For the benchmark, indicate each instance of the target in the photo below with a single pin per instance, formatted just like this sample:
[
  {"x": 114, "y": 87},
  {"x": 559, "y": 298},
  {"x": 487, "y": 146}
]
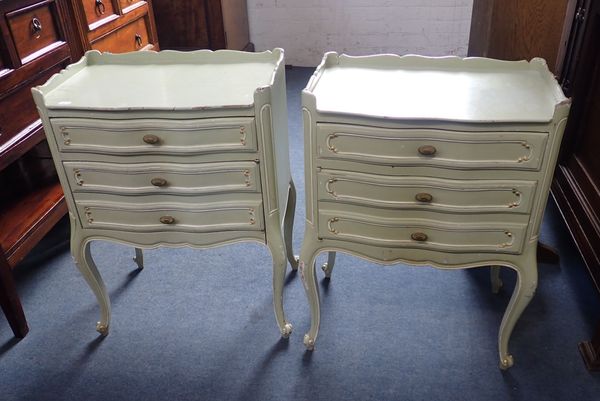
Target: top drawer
[
  {"x": 432, "y": 147},
  {"x": 153, "y": 136},
  {"x": 34, "y": 30}
]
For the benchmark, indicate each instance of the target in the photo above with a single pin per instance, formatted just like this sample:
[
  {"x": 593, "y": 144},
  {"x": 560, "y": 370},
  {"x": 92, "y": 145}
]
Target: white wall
[{"x": 308, "y": 28}]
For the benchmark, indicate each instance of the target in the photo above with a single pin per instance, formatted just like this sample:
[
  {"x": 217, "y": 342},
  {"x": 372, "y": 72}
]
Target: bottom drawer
[
  {"x": 154, "y": 217},
  {"x": 422, "y": 233}
]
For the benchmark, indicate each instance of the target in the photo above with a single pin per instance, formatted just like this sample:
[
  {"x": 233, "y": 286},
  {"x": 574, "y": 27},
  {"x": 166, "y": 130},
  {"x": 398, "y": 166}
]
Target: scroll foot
[
  {"x": 309, "y": 342},
  {"x": 102, "y": 329},
  {"x": 506, "y": 362},
  {"x": 286, "y": 330}
]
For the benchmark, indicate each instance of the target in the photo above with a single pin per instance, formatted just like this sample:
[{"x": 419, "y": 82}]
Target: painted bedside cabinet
[
  {"x": 173, "y": 149},
  {"x": 444, "y": 162}
]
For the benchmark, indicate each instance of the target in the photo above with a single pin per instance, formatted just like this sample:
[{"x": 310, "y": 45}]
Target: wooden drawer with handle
[
  {"x": 34, "y": 30},
  {"x": 99, "y": 12},
  {"x": 20, "y": 102},
  {"x": 131, "y": 37}
]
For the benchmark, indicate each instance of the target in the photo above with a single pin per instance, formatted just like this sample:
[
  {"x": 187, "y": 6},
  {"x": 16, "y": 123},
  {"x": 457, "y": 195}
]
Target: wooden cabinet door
[
  {"x": 520, "y": 29},
  {"x": 202, "y": 24},
  {"x": 183, "y": 24},
  {"x": 577, "y": 181}
]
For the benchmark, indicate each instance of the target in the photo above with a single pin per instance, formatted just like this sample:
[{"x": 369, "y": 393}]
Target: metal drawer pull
[
  {"x": 427, "y": 150},
  {"x": 421, "y": 237},
  {"x": 423, "y": 197},
  {"x": 138, "y": 40},
  {"x": 100, "y": 8},
  {"x": 158, "y": 182},
  {"x": 167, "y": 219},
  {"x": 36, "y": 27},
  {"x": 151, "y": 139}
]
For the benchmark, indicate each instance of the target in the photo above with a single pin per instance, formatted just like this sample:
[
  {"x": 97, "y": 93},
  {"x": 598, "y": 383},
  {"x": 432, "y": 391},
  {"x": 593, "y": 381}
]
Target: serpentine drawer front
[
  {"x": 172, "y": 149},
  {"x": 431, "y": 234},
  {"x": 445, "y": 162},
  {"x": 155, "y": 136},
  {"x": 165, "y": 217},
  {"x": 443, "y": 148},
  {"x": 163, "y": 178},
  {"x": 461, "y": 196}
]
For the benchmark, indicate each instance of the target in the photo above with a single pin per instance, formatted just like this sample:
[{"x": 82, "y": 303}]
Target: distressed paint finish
[
  {"x": 442, "y": 161},
  {"x": 173, "y": 149}
]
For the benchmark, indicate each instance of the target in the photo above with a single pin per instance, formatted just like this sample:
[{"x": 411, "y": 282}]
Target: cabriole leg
[
  {"x": 309, "y": 279},
  {"x": 277, "y": 248},
  {"x": 524, "y": 290},
  {"x": 139, "y": 258},
  {"x": 80, "y": 249},
  {"x": 328, "y": 266},
  {"x": 288, "y": 226}
]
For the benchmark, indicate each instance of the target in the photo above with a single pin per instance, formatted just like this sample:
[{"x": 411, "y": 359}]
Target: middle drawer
[
  {"x": 426, "y": 193},
  {"x": 163, "y": 178}
]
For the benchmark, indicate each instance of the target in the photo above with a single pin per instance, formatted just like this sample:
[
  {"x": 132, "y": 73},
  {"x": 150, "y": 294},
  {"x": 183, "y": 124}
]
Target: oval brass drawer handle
[
  {"x": 421, "y": 237},
  {"x": 423, "y": 197},
  {"x": 151, "y": 139},
  {"x": 158, "y": 182},
  {"x": 427, "y": 150},
  {"x": 167, "y": 219}
]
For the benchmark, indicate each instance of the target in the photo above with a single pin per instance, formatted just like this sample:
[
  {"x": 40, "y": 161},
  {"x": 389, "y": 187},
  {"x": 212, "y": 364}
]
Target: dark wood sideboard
[
  {"x": 38, "y": 39},
  {"x": 34, "y": 45},
  {"x": 203, "y": 24}
]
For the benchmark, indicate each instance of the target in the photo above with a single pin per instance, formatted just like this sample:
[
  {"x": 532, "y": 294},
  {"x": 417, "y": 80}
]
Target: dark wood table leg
[
  {"x": 547, "y": 254},
  {"x": 590, "y": 351},
  {"x": 9, "y": 300}
]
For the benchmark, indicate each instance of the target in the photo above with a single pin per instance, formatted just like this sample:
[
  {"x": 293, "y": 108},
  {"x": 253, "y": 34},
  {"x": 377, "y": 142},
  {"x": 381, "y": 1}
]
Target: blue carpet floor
[{"x": 199, "y": 325}]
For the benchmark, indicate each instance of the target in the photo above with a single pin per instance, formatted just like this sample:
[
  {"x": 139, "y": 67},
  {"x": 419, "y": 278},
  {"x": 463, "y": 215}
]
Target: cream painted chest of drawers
[
  {"x": 444, "y": 162},
  {"x": 173, "y": 149}
]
